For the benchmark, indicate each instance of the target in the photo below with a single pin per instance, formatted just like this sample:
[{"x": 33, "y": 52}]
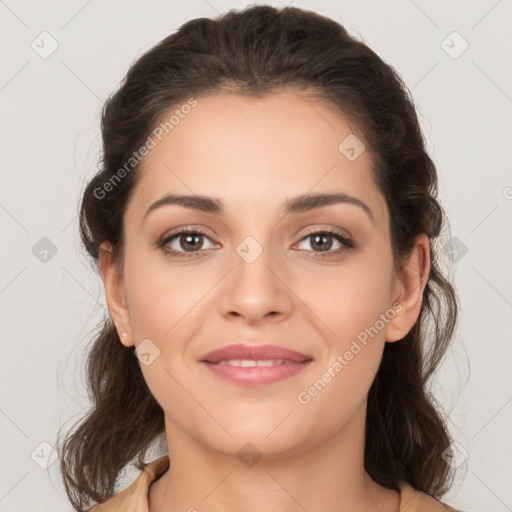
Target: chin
[{"x": 267, "y": 436}]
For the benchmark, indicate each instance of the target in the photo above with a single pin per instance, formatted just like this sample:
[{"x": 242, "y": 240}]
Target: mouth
[{"x": 255, "y": 365}]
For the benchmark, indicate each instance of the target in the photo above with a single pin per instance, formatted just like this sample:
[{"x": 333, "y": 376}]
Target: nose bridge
[
  {"x": 254, "y": 250},
  {"x": 251, "y": 263},
  {"x": 253, "y": 290}
]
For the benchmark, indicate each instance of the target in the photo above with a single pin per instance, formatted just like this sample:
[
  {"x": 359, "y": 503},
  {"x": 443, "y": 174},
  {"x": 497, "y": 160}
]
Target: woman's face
[{"x": 257, "y": 274}]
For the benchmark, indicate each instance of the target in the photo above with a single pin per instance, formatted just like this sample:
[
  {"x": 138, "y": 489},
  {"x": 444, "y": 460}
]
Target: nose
[{"x": 256, "y": 288}]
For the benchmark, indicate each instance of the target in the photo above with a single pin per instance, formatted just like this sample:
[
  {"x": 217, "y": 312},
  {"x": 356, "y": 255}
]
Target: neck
[{"x": 326, "y": 477}]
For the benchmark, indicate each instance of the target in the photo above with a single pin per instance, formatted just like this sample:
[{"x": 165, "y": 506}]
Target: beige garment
[{"x": 135, "y": 497}]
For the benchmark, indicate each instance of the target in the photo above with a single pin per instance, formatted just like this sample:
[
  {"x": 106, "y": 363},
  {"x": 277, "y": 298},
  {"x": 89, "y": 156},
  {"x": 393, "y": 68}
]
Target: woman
[{"x": 264, "y": 222}]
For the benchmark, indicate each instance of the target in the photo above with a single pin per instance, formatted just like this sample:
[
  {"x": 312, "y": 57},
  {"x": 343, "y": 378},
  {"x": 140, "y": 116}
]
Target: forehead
[{"x": 248, "y": 150}]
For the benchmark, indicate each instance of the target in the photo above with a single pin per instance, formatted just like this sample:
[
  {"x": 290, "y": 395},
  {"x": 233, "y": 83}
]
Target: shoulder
[
  {"x": 412, "y": 500},
  {"x": 135, "y": 496}
]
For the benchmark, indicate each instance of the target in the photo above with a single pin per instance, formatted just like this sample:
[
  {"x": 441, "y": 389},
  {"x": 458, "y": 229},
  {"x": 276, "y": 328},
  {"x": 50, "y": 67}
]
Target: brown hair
[{"x": 256, "y": 51}]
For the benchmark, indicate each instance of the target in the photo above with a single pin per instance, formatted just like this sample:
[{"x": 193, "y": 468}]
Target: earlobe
[
  {"x": 413, "y": 277},
  {"x": 114, "y": 294}
]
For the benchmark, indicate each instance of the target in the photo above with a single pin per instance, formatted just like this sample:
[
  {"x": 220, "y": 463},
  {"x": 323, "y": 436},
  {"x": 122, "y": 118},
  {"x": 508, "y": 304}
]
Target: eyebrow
[{"x": 296, "y": 204}]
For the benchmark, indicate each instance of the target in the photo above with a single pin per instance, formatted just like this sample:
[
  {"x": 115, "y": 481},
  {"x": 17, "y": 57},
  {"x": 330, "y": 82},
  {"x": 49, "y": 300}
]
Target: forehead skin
[{"x": 254, "y": 154}]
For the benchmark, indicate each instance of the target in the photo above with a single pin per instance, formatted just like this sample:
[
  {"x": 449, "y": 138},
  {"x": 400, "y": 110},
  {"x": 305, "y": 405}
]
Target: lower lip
[{"x": 255, "y": 376}]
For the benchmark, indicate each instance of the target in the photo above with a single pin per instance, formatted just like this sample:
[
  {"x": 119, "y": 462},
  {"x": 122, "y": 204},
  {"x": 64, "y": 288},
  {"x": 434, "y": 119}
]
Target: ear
[
  {"x": 114, "y": 293},
  {"x": 412, "y": 277}
]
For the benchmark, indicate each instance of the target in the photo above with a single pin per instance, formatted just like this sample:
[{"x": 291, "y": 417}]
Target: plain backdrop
[{"x": 60, "y": 61}]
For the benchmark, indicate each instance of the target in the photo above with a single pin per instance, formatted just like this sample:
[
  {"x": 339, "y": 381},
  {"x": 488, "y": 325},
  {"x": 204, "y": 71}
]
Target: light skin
[{"x": 253, "y": 155}]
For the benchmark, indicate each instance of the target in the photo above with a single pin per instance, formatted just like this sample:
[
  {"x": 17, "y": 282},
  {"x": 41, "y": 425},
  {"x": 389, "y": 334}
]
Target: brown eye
[
  {"x": 323, "y": 241},
  {"x": 185, "y": 243},
  {"x": 191, "y": 241}
]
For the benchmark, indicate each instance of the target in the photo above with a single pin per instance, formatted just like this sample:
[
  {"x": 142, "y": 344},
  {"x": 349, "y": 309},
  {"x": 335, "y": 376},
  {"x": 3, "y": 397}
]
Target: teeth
[{"x": 252, "y": 362}]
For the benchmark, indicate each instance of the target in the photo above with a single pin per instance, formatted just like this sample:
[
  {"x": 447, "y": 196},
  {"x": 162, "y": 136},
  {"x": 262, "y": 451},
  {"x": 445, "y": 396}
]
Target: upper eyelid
[{"x": 180, "y": 231}]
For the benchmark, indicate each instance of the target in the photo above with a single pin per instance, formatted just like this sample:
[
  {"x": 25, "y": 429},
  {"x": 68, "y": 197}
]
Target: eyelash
[{"x": 346, "y": 242}]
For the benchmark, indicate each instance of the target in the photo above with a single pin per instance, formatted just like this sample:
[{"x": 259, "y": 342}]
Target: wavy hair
[{"x": 254, "y": 52}]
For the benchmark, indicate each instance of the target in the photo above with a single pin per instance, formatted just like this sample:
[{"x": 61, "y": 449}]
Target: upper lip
[{"x": 254, "y": 352}]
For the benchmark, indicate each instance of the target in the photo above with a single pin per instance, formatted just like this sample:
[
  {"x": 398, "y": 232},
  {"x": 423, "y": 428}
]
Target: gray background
[{"x": 50, "y": 298}]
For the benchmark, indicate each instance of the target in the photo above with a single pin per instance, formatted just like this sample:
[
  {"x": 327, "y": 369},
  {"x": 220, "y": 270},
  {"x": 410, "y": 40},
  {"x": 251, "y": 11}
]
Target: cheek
[
  {"x": 161, "y": 303},
  {"x": 350, "y": 299},
  {"x": 353, "y": 346},
  {"x": 354, "y": 305},
  {"x": 152, "y": 309},
  {"x": 159, "y": 295}
]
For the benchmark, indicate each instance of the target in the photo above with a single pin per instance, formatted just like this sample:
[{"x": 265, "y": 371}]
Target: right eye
[{"x": 178, "y": 243}]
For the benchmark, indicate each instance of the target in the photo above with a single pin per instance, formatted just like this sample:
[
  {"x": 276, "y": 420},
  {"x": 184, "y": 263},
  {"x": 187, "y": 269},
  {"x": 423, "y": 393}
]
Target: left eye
[{"x": 323, "y": 241}]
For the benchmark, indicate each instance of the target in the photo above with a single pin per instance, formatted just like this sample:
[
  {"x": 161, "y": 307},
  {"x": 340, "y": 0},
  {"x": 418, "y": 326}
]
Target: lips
[
  {"x": 255, "y": 365},
  {"x": 242, "y": 351}
]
